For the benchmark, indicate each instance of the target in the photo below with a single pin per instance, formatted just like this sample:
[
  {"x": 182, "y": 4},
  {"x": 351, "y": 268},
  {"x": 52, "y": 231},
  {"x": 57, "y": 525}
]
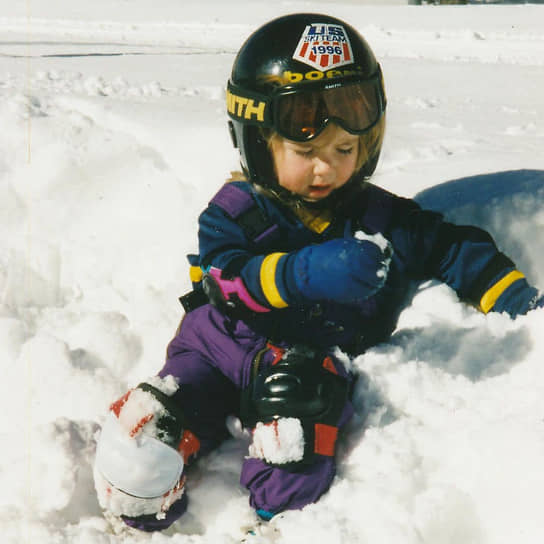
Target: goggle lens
[{"x": 302, "y": 115}]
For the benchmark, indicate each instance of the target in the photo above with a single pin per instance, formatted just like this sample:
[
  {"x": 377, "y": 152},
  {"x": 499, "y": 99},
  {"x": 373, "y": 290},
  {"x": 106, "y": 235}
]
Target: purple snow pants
[{"x": 211, "y": 357}]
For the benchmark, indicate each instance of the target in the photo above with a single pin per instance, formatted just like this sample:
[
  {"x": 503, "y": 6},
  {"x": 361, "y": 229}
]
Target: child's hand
[
  {"x": 140, "y": 455},
  {"x": 518, "y": 299},
  {"x": 149, "y": 410},
  {"x": 345, "y": 270}
]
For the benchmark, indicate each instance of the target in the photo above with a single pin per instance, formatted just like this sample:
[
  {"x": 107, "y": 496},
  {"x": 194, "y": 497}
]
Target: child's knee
[{"x": 273, "y": 490}]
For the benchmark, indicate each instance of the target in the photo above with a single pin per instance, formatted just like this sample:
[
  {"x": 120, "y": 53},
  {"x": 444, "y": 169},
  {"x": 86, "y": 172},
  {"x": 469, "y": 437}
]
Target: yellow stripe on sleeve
[
  {"x": 268, "y": 280},
  {"x": 493, "y": 293},
  {"x": 195, "y": 273}
]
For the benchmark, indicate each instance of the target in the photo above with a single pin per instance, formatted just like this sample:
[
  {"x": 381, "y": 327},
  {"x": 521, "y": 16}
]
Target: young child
[{"x": 302, "y": 263}]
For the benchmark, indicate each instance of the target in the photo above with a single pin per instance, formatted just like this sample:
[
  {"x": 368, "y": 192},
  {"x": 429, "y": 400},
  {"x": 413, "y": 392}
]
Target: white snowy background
[{"x": 113, "y": 138}]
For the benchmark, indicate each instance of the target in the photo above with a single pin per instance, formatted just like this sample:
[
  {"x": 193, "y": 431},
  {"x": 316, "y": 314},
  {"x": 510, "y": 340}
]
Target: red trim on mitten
[{"x": 116, "y": 406}]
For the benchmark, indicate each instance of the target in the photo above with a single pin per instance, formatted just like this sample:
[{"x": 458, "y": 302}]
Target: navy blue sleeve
[
  {"x": 224, "y": 247},
  {"x": 464, "y": 257}
]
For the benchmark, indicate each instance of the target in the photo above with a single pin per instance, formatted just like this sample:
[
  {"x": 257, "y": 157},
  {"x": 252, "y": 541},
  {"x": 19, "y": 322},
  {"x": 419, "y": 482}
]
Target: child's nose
[{"x": 322, "y": 166}]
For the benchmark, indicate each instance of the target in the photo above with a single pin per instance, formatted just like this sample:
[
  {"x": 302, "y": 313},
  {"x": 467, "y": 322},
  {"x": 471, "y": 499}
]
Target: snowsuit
[{"x": 248, "y": 234}]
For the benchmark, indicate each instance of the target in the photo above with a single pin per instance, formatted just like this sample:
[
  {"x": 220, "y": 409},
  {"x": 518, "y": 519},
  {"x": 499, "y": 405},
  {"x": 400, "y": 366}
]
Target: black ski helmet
[{"x": 294, "y": 54}]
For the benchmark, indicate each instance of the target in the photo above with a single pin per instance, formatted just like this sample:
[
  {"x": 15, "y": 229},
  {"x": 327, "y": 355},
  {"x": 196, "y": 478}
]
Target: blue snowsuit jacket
[{"x": 246, "y": 233}]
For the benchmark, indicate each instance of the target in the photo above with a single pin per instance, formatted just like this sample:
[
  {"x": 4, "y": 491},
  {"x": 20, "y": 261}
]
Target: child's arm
[
  {"x": 472, "y": 264},
  {"x": 467, "y": 259},
  {"x": 344, "y": 270}
]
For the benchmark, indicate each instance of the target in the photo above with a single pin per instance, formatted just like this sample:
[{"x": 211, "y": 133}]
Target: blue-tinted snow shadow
[
  {"x": 475, "y": 353},
  {"x": 480, "y": 189}
]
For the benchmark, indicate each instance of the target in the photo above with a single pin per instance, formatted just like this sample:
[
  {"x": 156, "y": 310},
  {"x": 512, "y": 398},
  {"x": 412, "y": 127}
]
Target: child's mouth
[{"x": 320, "y": 190}]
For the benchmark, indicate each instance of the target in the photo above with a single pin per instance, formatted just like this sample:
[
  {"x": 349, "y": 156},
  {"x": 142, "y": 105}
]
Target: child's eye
[
  {"x": 345, "y": 150},
  {"x": 304, "y": 152}
]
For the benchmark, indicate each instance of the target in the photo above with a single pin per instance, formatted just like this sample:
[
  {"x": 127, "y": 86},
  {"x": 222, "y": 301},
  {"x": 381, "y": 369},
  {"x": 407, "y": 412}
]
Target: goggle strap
[{"x": 248, "y": 107}]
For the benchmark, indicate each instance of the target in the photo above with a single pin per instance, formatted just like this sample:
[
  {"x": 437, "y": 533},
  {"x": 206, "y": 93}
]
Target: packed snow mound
[{"x": 114, "y": 138}]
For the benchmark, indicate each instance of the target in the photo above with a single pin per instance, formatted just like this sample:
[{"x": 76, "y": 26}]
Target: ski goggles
[{"x": 303, "y": 113}]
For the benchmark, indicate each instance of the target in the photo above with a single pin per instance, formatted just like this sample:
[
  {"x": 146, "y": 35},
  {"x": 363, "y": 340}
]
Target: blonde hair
[{"x": 370, "y": 143}]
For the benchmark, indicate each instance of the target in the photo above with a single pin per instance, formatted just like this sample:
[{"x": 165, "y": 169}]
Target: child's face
[{"x": 314, "y": 169}]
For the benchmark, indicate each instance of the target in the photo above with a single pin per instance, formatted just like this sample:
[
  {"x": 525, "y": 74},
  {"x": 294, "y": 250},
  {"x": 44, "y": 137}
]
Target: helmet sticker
[{"x": 324, "y": 46}]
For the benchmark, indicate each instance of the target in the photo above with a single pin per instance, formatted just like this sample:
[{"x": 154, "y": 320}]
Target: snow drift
[{"x": 114, "y": 139}]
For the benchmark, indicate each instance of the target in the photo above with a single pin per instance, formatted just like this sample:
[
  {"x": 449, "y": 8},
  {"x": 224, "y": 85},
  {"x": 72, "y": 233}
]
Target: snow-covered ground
[{"x": 113, "y": 137}]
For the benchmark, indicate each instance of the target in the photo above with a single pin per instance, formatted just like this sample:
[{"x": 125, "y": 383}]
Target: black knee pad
[{"x": 303, "y": 384}]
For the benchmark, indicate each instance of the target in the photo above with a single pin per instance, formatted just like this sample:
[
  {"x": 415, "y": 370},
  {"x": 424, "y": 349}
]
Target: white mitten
[
  {"x": 141, "y": 452},
  {"x": 279, "y": 442}
]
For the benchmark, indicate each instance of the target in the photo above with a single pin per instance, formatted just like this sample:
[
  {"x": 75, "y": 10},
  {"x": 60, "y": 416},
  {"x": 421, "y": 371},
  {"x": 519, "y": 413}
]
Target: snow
[
  {"x": 113, "y": 139},
  {"x": 281, "y": 441},
  {"x": 381, "y": 241}
]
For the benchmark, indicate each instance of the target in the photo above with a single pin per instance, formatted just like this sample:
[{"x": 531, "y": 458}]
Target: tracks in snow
[{"x": 37, "y": 37}]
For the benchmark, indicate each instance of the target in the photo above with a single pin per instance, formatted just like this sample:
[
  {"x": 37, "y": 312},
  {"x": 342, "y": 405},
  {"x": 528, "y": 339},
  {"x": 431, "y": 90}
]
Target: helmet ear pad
[{"x": 255, "y": 157}]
